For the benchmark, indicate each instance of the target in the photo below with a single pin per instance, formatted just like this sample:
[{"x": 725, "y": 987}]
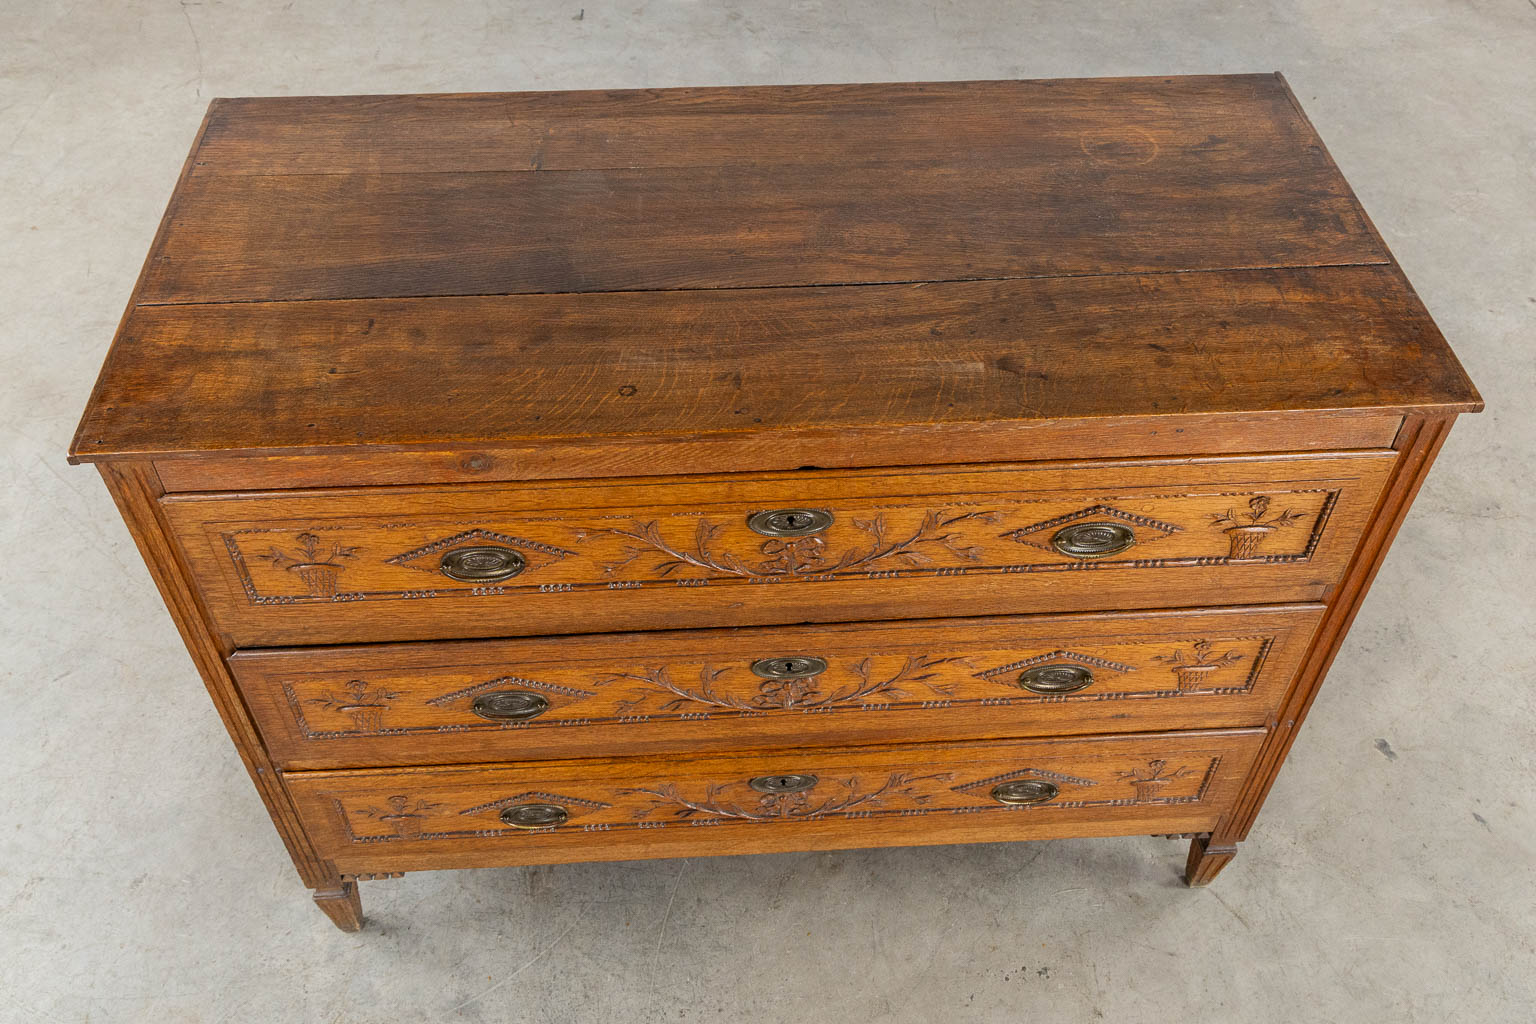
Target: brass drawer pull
[
  {"x": 510, "y": 705},
  {"x": 793, "y": 667},
  {"x": 1055, "y": 678},
  {"x": 1093, "y": 540},
  {"x": 790, "y": 522},
  {"x": 488, "y": 564},
  {"x": 1025, "y": 791},
  {"x": 782, "y": 783},
  {"x": 534, "y": 815}
]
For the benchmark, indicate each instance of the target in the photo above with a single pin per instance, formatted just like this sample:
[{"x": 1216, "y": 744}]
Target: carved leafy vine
[
  {"x": 801, "y": 693},
  {"x": 796, "y": 556},
  {"x": 771, "y": 806}
]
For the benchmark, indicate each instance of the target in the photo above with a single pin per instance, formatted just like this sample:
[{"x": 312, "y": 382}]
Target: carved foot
[
  {"x": 342, "y": 905},
  {"x": 1206, "y": 859}
]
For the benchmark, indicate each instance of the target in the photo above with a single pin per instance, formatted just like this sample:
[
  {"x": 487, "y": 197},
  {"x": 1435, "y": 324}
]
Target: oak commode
[{"x": 582, "y": 476}]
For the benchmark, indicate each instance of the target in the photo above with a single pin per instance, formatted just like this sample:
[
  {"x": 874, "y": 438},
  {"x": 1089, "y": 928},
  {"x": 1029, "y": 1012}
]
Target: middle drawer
[{"x": 731, "y": 689}]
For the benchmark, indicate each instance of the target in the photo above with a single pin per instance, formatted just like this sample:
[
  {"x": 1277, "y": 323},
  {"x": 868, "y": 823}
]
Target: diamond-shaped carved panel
[
  {"x": 429, "y": 557},
  {"x": 1147, "y": 530},
  {"x": 1052, "y": 657},
  {"x": 575, "y": 807},
  {"x": 1024, "y": 773}
]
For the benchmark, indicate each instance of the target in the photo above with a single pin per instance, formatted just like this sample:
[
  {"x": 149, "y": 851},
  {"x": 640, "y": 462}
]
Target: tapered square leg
[
  {"x": 342, "y": 905},
  {"x": 1206, "y": 859}
]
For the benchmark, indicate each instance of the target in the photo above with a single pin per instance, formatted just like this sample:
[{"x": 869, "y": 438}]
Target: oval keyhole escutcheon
[
  {"x": 790, "y": 522},
  {"x": 791, "y": 667},
  {"x": 782, "y": 783}
]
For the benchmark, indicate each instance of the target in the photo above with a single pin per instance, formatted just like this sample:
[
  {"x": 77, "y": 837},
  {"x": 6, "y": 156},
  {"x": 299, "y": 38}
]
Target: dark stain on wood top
[
  {"x": 301, "y": 199},
  {"x": 389, "y": 271}
]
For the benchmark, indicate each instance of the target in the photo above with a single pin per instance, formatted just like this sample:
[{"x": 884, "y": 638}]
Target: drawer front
[
  {"x": 424, "y": 563},
  {"x": 516, "y": 700},
  {"x": 426, "y": 818}
]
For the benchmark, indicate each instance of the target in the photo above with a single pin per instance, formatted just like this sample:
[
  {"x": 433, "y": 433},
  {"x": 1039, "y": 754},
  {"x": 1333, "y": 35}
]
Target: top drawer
[{"x": 380, "y": 564}]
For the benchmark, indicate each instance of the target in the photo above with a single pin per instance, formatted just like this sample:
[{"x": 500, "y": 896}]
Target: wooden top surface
[{"x": 385, "y": 272}]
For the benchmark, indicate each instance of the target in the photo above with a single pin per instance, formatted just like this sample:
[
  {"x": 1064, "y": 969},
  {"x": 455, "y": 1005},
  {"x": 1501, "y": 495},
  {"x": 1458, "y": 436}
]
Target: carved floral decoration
[
  {"x": 1246, "y": 531},
  {"x": 400, "y": 815},
  {"x": 1193, "y": 668},
  {"x": 312, "y": 563},
  {"x": 1150, "y": 779},
  {"x": 360, "y": 701},
  {"x": 846, "y": 797},
  {"x": 801, "y": 692},
  {"x": 797, "y": 556}
]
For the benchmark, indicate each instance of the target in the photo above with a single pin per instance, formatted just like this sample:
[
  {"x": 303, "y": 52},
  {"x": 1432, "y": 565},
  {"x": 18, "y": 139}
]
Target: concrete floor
[{"x": 1391, "y": 878}]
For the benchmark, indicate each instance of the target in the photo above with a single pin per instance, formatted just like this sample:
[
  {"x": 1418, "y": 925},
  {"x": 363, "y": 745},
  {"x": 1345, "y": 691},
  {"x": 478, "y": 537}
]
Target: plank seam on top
[{"x": 781, "y": 287}]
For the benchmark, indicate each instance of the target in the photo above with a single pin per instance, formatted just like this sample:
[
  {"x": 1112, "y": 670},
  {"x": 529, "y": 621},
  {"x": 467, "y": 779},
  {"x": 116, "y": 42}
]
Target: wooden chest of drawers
[{"x": 588, "y": 476}]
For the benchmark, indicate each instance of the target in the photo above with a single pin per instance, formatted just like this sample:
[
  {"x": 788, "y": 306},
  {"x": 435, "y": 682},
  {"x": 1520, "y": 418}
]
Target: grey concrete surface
[{"x": 1391, "y": 878}]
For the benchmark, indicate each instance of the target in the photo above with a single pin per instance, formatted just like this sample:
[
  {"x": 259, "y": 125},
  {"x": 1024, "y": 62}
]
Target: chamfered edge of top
[{"x": 916, "y": 87}]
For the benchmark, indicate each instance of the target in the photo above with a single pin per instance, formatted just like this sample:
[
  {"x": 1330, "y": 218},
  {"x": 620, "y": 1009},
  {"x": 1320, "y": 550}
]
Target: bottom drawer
[{"x": 401, "y": 819}]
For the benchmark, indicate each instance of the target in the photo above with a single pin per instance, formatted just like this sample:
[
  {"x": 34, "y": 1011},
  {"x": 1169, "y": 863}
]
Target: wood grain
[
  {"x": 1420, "y": 442},
  {"x": 405, "y": 819},
  {"x": 785, "y": 449},
  {"x": 766, "y": 364},
  {"x": 364, "y": 565},
  {"x": 960, "y": 123},
  {"x": 342, "y": 904},
  {"x": 657, "y": 693},
  {"x": 135, "y": 490},
  {"x": 1047, "y": 179},
  {"x": 601, "y": 329}
]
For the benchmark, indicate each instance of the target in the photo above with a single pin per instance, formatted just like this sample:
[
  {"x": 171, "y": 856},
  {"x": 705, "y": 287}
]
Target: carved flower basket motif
[
  {"x": 1147, "y": 789},
  {"x": 1194, "y": 677},
  {"x": 1245, "y": 540},
  {"x": 319, "y": 578},
  {"x": 407, "y": 827},
  {"x": 366, "y": 718},
  {"x": 316, "y": 567},
  {"x": 1193, "y": 668},
  {"x": 1246, "y": 530},
  {"x": 1148, "y": 781}
]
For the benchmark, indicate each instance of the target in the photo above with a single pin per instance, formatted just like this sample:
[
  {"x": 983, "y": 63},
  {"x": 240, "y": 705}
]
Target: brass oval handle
[
  {"x": 792, "y": 667},
  {"x": 1025, "y": 791},
  {"x": 1051, "y": 679},
  {"x": 510, "y": 705},
  {"x": 1093, "y": 540},
  {"x": 487, "y": 564},
  {"x": 532, "y": 816},
  {"x": 782, "y": 783},
  {"x": 790, "y": 522}
]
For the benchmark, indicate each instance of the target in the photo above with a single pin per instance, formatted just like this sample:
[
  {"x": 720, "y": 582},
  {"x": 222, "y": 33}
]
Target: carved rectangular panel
[
  {"x": 394, "y": 819},
  {"x": 738, "y": 689},
  {"x": 398, "y": 563}
]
